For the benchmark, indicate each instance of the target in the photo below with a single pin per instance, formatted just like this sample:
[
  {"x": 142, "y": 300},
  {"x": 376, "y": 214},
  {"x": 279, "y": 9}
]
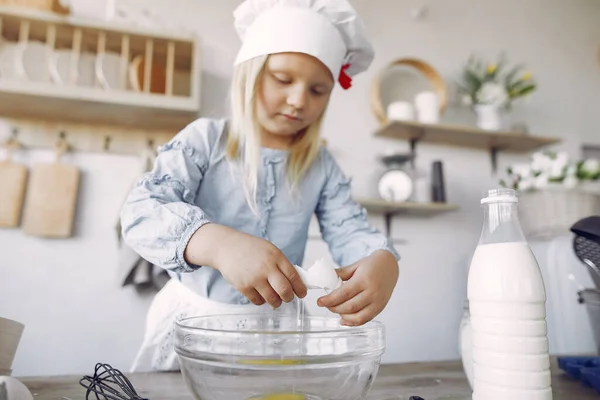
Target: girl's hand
[
  {"x": 253, "y": 266},
  {"x": 368, "y": 286}
]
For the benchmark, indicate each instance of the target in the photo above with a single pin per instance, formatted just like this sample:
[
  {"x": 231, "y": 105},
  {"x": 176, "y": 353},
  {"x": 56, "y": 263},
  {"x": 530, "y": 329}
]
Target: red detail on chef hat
[{"x": 344, "y": 79}]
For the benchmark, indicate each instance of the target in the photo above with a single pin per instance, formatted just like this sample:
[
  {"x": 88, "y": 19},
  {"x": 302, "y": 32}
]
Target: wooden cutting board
[
  {"x": 13, "y": 179},
  {"x": 51, "y": 200}
]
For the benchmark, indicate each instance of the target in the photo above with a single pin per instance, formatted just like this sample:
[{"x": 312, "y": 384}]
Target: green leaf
[
  {"x": 499, "y": 67},
  {"x": 526, "y": 90},
  {"x": 510, "y": 76},
  {"x": 521, "y": 91},
  {"x": 472, "y": 78},
  {"x": 518, "y": 85},
  {"x": 580, "y": 174}
]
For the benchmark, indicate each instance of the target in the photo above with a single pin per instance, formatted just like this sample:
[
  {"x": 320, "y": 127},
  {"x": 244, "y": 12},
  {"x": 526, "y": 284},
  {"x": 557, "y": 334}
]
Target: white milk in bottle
[{"x": 507, "y": 302}]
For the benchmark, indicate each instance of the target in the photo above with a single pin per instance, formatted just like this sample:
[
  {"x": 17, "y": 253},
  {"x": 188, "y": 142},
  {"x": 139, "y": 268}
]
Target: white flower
[
  {"x": 570, "y": 182},
  {"x": 522, "y": 170},
  {"x": 541, "y": 162},
  {"x": 557, "y": 170},
  {"x": 591, "y": 166},
  {"x": 540, "y": 181},
  {"x": 525, "y": 184},
  {"x": 559, "y": 165},
  {"x": 547, "y": 169},
  {"x": 562, "y": 158},
  {"x": 491, "y": 93},
  {"x": 571, "y": 171}
]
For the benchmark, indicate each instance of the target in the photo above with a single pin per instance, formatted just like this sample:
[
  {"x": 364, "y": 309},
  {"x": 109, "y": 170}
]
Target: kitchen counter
[{"x": 431, "y": 381}]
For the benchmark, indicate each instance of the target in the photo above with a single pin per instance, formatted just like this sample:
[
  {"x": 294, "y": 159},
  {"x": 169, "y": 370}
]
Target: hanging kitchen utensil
[
  {"x": 13, "y": 179},
  {"x": 51, "y": 197},
  {"x": 109, "y": 383},
  {"x": 587, "y": 245},
  {"x": 11, "y": 333}
]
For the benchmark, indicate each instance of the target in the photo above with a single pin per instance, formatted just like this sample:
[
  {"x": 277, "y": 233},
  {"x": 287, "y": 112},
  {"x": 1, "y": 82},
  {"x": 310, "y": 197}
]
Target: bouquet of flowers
[
  {"x": 488, "y": 83},
  {"x": 546, "y": 169}
]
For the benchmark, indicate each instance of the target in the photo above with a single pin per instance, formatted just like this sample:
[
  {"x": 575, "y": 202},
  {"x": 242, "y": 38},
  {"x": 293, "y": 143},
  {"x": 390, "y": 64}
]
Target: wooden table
[{"x": 432, "y": 381}]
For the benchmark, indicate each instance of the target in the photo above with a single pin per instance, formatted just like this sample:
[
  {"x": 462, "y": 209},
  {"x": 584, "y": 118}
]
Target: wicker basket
[
  {"x": 553, "y": 211},
  {"x": 437, "y": 82}
]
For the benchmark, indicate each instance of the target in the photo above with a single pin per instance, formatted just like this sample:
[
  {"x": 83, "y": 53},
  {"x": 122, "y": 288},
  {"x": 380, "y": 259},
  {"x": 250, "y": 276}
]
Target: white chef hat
[{"x": 329, "y": 30}]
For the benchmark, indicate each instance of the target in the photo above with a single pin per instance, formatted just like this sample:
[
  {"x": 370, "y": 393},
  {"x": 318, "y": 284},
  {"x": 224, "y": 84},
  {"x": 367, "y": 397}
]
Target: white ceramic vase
[{"x": 489, "y": 117}]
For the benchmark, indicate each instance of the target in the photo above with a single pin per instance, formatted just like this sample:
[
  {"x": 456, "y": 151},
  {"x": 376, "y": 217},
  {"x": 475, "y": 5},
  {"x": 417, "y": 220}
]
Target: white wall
[{"x": 66, "y": 291}]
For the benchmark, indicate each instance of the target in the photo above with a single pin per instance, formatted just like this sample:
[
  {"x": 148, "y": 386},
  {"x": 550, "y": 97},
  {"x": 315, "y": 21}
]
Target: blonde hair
[{"x": 244, "y": 133}]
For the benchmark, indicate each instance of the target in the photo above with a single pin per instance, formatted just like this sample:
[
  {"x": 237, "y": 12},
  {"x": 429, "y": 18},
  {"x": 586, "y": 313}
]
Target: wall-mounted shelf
[
  {"x": 464, "y": 136},
  {"x": 88, "y": 105},
  {"x": 389, "y": 209},
  {"x": 60, "y": 68}
]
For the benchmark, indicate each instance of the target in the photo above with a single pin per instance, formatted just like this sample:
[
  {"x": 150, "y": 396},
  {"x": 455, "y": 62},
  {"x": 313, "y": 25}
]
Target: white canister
[
  {"x": 428, "y": 107},
  {"x": 400, "y": 111}
]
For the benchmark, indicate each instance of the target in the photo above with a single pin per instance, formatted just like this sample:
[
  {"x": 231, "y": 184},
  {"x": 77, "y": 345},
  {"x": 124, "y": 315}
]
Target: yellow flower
[
  {"x": 526, "y": 76},
  {"x": 491, "y": 68}
]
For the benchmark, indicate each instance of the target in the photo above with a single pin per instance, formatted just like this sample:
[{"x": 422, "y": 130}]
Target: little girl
[{"x": 227, "y": 206}]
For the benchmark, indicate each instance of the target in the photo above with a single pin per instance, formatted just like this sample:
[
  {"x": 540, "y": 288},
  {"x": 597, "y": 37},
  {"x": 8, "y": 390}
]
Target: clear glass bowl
[{"x": 277, "y": 357}]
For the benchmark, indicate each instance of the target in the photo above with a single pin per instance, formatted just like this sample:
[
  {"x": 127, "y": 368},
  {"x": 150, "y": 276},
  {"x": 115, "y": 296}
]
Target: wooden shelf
[
  {"x": 386, "y": 207},
  {"x": 138, "y": 77},
  {"x": 389, "y": 209},
  {"x": 39, "y": 100},
  {"x": 95, "y": 24},
  {"x": 464, "y": 136}
]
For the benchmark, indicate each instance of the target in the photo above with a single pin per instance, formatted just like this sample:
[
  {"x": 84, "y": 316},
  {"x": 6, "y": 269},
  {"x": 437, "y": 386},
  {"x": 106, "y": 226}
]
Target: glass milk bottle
[
  {"x": 507, "y": 302},
  {"x": 465, "y": 344}
]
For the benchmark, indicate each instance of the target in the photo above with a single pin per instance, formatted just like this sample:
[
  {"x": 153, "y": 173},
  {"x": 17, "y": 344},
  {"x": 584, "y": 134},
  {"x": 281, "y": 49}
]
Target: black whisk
[{"x": 109, "y": 384}]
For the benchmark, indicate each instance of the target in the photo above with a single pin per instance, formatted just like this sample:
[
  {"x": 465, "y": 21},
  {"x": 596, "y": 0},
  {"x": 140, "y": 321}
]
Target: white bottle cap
[{"x": 500, "y": 196}]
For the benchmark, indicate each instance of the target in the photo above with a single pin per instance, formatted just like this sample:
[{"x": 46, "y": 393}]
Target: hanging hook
[
  {"x": 107, "y": 143},
  {"x": 61, "y": 146},
  {"x": 151, "y": 147},
  {"x": 12, "y": 139},
  {"x": 11, "y": 144},
  {"x": 62, "y": 139},
  {"x": 13, "y": 135}
]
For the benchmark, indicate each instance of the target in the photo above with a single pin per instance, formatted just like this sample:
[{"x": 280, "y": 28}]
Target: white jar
[
  {"x": 400, "y": 111},
  {"x": 428, "y": 107}
]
